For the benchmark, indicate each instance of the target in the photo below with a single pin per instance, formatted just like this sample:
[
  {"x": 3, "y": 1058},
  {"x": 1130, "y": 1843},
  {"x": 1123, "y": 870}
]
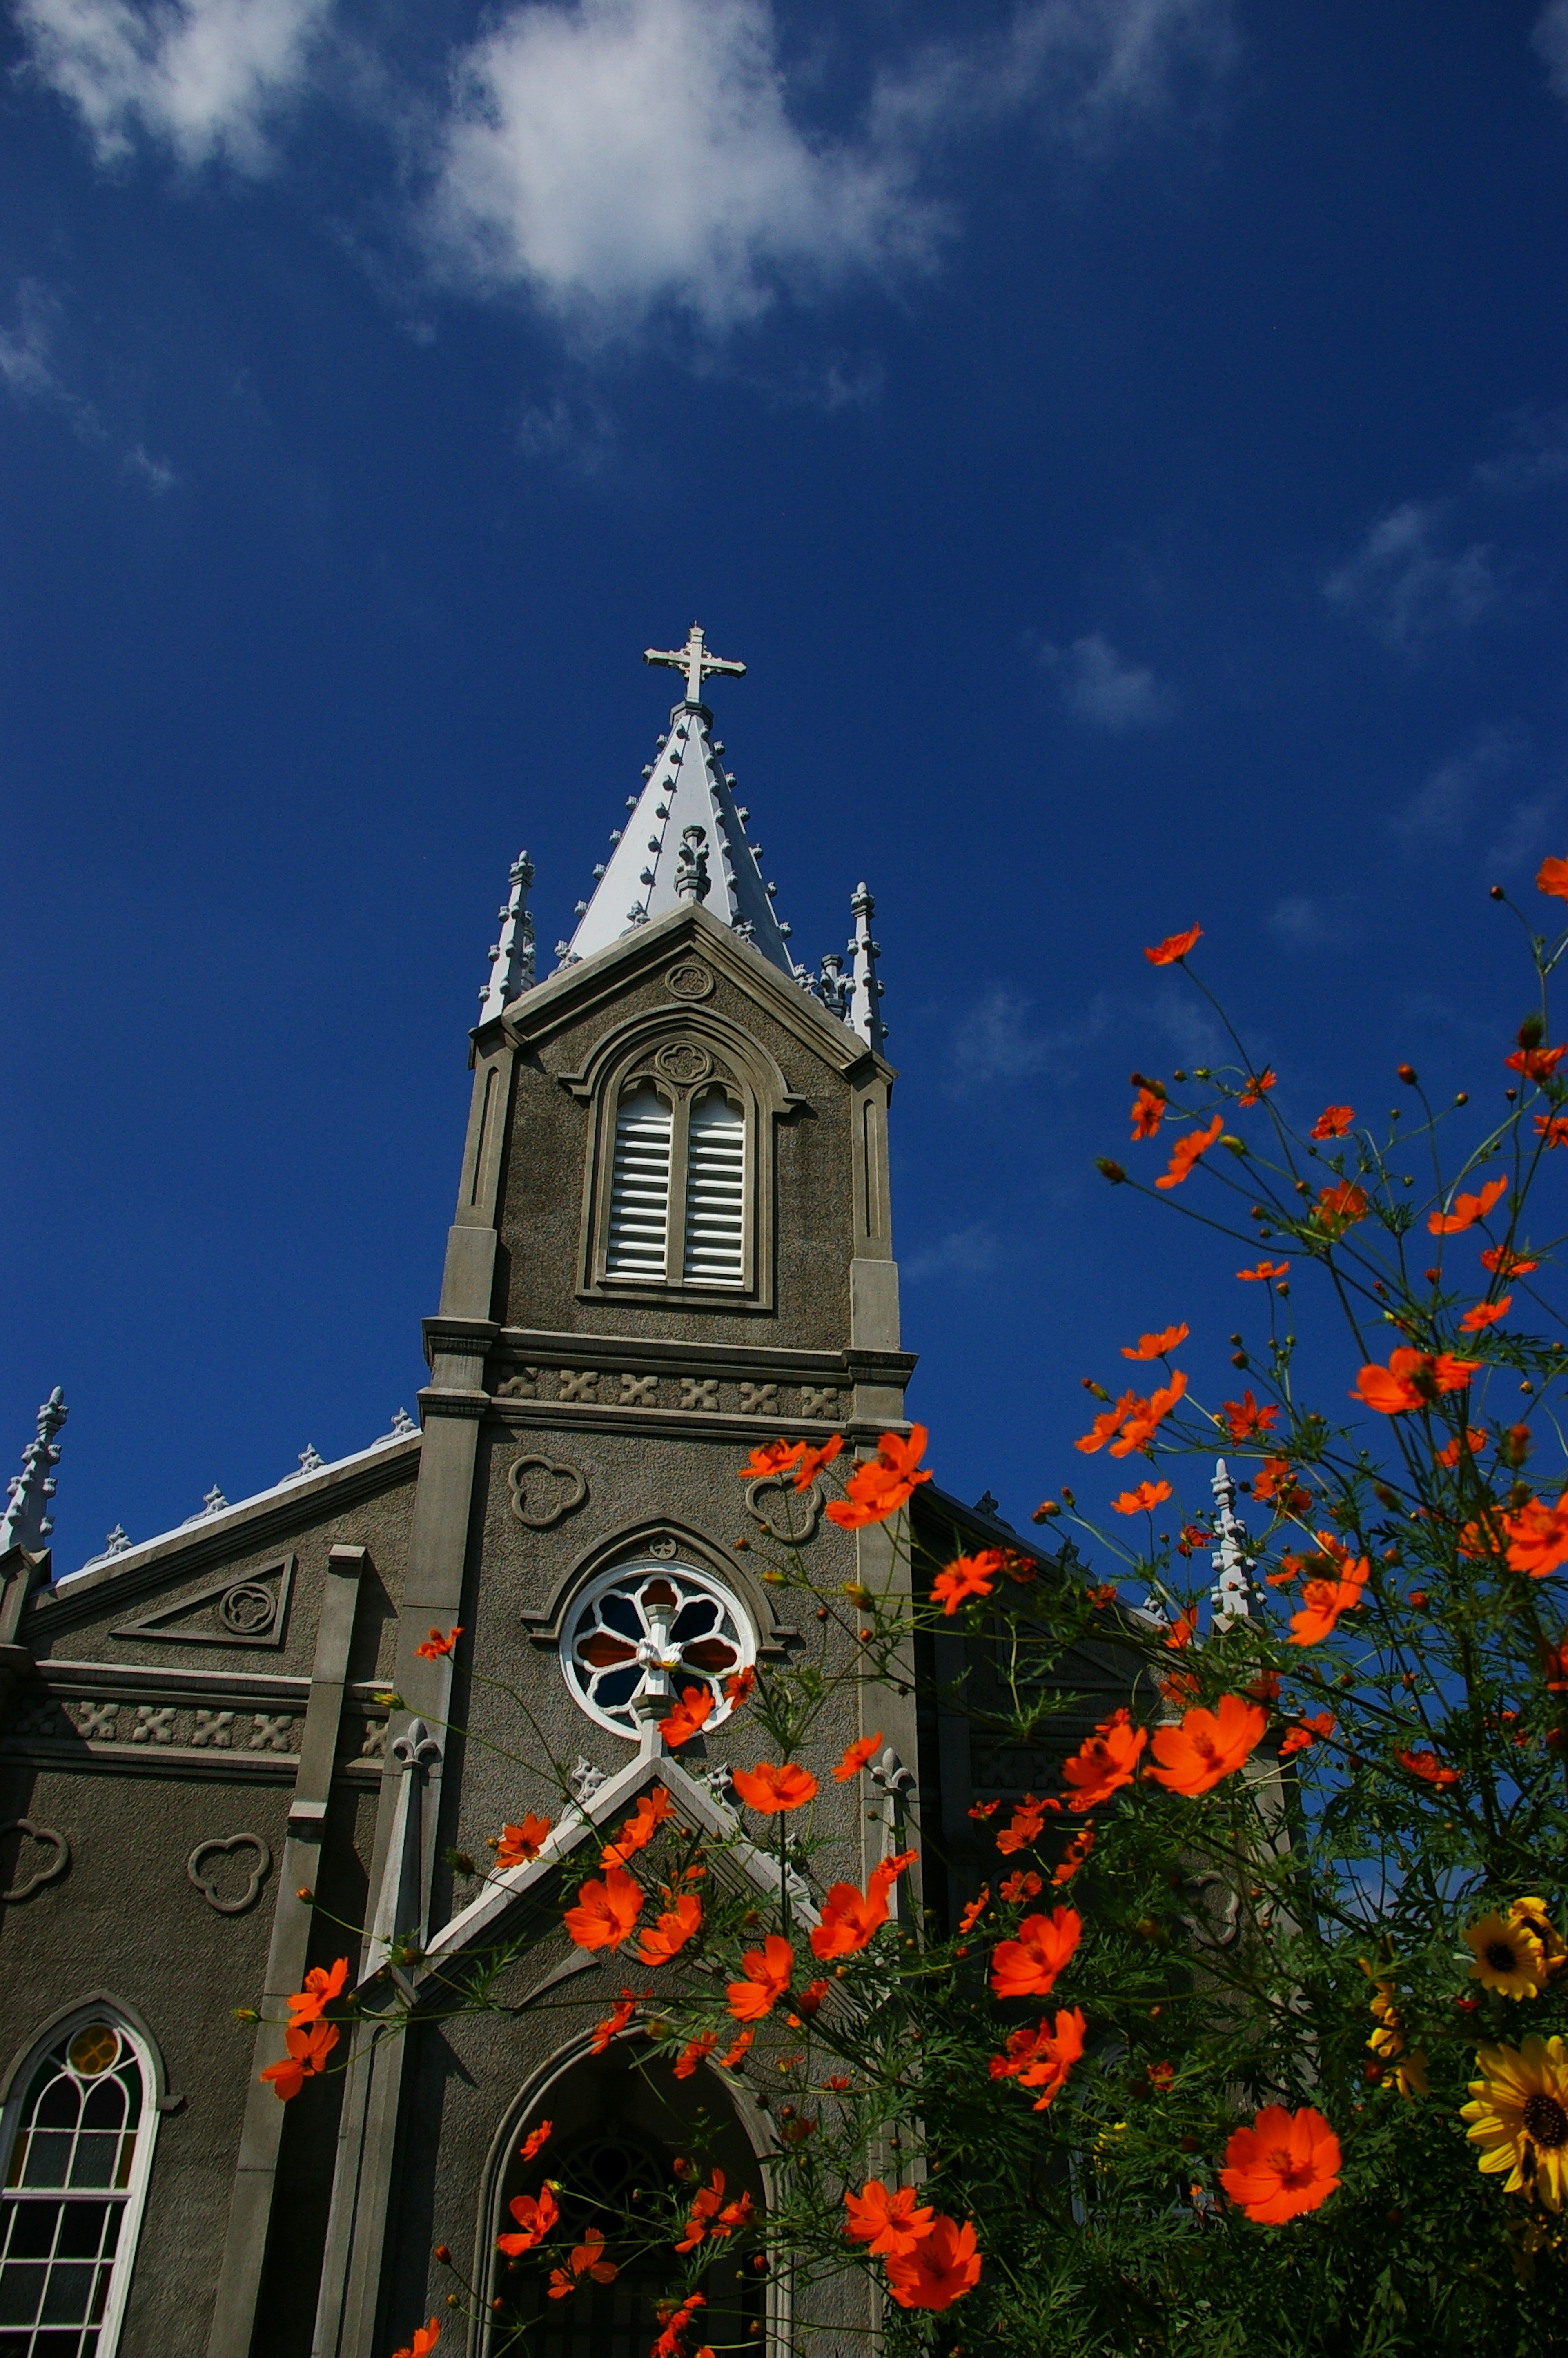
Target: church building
[{"x": 225, "y": 1759}]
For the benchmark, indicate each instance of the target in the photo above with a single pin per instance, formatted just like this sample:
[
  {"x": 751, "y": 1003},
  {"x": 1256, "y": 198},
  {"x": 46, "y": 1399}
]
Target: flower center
[
  {"x": 1546, "y": 2122},
  {"x": 1502, "y": 1958}
]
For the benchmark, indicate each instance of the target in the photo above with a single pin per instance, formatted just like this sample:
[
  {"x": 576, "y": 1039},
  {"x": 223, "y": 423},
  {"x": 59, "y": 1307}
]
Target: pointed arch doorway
[{"x": 621, "y": 2122}]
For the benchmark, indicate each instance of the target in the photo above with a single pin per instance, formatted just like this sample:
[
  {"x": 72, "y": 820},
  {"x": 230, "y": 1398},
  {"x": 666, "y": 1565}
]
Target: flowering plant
[{"x": 1237, "y": 2018}]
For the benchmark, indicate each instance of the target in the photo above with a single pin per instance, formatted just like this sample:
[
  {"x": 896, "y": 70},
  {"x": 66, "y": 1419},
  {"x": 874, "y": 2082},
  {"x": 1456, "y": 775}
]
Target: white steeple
[
  {"x": 25, "y": 1522},
  {"x": 686, "y": 840},
  {"x": 511, "y": 953},
  {"x": 864, "y": 1012},
  {"x": 1232, "y": 1591}
]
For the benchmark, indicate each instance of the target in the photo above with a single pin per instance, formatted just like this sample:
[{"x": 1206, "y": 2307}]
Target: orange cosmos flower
[
  {"x": 1323, "y": 1602},
  {"x": 320, "y": 1989},
  {"x": 1465, "y": 1210},
  {"x": 735, "y": 2052},
  {"x": 772, "y": 1457},
  {"x": 1042, "y": 2058},
  {"x": 1551, "y": 1128},
  {"x": 1107, "y": 1760},
  {"x": 1143, "y": 1500},
  {"x": 977, "y": 1909},
  {"x": 1247, "y": 1419},
  {"x": 516, "y": 1845},
  {"x": 1506, "y": 1263},
  {"x": 966, "y": 1576},
  {"x": 605, "y": 1912},
  {"x": 1028, "y": 1967},
  {"x": 536, "y": 2215},
  {"x": 639, "y": 1829},
  {"x": 1023, "y": 1883},
  {"x": 425, "y": 2340},
  {"x": 1147, "y": 1416},
  {"x": 712, "y": 2215},
  {"x": 1186, "y": 1152},
  {"x": 738, "y": 1685},
  {"x": 773, "y": 1789},
  {"x": 1154, "y": 1346},
  {"x": 1485, "y": 1314},
  {"x": 434, "y": 1645},
  {"x": 1427, "y": 1766},
  {"x": 1474, "y": 1439},
  {"x": 1110, "y": 1420},
  {"x": 675, "y": 2321},
  {"x": 1554, "y": 878},
  {"x": 1208, "y": 1746},
  {"x": 852, "y": 1918},
  {"x": 1264, "y": 1271},
  {"x": 812, "y": 1461},
  {"x": 692, "y": 1713},
  {"x": 1285, "y": 2164},
  {"x": 886, "y": 2221},
  {"x": 307, "y": 2052},
  {"x": 673, "y": 1929},
  {"x": 856, "y": 1757},
  {"x": 1174, "y": 947},
  {"x": 1257, "y": 1083},
  {"x": 1148, "y": 1112},
  {"x": 942, "y": 2267},
  {"x": 1412, "y": 1379},
  {"x": 880, "y": 1488},
  {"x": 616, "y": 2020},
  {"x": 1332, "y": 1121},
  {"x": 1307, "y": 1730},
  {"x": 1339, "y": 1207},
  {"x": 767, "y": 1970},
  {"x": 587, "y": 2260},
  {"x": 695, "y": 2053},
  {"x": 1028, "y": 1817},
  {"x": 1071, "y": 1858},
  {"x": 535, "y": 2140},
  {"x": 1538, "y": 1537},
  {"x": 1536, "y": 1063}
]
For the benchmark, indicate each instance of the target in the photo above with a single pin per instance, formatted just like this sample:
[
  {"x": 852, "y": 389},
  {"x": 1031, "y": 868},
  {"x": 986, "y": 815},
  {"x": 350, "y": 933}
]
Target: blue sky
[{"x": 1127, "y": 440}]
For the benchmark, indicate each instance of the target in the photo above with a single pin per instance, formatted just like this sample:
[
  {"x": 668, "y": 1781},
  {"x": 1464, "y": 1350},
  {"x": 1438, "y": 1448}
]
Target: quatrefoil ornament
[
  {"x": 544, "y": 1492},
  {"x": 56, "y": 1858},
  {"x": 206, "y": 1880}
]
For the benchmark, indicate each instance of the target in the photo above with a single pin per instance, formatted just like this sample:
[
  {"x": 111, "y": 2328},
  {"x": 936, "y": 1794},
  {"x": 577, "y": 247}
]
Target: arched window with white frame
[{"x": 77, "y": 2135}]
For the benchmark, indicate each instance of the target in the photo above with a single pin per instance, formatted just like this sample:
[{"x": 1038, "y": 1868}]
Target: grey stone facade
[{"x": 200, "y": 1789}]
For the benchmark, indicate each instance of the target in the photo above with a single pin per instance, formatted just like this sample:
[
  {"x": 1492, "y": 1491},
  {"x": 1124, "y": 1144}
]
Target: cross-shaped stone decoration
[{"x": 695, "y": 661}]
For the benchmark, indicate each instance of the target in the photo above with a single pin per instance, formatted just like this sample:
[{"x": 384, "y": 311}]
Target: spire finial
[
  {"x": 695, "y": 661},
  {"x": 864, "y": 1014},
  {"x": 25, "y": 1522},
  {"x": 511, "y": 955},
  {"x": 1231, "y": 1593}
]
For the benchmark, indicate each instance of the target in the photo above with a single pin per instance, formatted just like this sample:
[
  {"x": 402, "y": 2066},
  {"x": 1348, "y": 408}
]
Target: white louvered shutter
[
  {"x": 640, "y": 1188},
  {"x": 715, "y": 1192}
]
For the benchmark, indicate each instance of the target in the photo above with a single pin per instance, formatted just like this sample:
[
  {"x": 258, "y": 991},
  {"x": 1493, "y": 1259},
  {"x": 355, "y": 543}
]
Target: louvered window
[
  {"x": 639, "y": 1187},
  {"x": 715, "y": 1192}
]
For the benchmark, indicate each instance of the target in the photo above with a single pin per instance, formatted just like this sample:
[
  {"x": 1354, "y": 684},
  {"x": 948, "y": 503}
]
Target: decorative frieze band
[{"x": 614, "y": 1387}]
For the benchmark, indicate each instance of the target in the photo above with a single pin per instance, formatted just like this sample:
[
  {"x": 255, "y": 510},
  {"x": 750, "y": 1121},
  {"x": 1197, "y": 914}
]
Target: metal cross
[{"x": 695, "y": 661}]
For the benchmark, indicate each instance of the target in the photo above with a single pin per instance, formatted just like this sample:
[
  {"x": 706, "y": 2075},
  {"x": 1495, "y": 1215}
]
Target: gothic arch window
[
  {"x": 678, "y": 1200},
  {"x": 619, "y": 2121},
  {"x": 77, "y": 2138},
  {"x": 652, "y": 1628}
]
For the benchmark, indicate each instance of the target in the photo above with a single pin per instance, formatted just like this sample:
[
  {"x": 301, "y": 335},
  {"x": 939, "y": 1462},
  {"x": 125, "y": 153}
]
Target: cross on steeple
[{"x": 695, "y": 661}]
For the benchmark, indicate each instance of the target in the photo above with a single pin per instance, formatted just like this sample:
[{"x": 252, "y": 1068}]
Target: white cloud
[
  {"x": 1435, "y": 816},
  {"x": 964, "y": 1252},
  {"x": 156, "y": 473},
  {"x": 1529, "y": 832},
  {"x": 1550, "y": 41},
  {"x": 611, "y": 156},
  {"x": 204, "y": 77},
  {"x": 1100, "y": 686},
  {"x": 30, "y": 369},
  {"x": 1405, "y": 585}
]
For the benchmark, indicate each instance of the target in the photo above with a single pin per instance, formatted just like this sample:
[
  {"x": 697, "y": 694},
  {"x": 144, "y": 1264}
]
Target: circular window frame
[{"x": 642, "y": 1568}]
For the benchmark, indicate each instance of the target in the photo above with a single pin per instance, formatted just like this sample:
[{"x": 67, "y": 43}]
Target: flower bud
[
  {"x": 444, "y": 2253},
  {"x": 1407, "y": 1075},
  {"x": 1109, "y": 1170},
  {"x": 1498, "y": 892}
]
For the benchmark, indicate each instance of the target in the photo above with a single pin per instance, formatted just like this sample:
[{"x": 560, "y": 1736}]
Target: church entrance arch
[{"x": 626, "y": 2136}]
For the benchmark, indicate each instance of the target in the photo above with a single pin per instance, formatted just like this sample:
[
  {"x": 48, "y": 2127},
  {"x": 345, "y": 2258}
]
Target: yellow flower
[
  {"x": 1520, "y": 2118},
  {"x": 1409, "y": 2075},
  {"x": 1533, "y": 1915},
  {"x": 1507, "y": 1956},
  {"x": 1388, "y": 2041}
]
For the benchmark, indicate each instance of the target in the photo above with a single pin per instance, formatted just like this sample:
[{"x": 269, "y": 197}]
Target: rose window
[{"x": 653, "y": 1630}]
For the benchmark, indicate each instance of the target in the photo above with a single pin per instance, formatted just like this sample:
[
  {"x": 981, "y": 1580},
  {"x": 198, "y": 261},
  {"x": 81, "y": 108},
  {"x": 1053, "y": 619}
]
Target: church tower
[{"x": 252, "y": 1745}]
